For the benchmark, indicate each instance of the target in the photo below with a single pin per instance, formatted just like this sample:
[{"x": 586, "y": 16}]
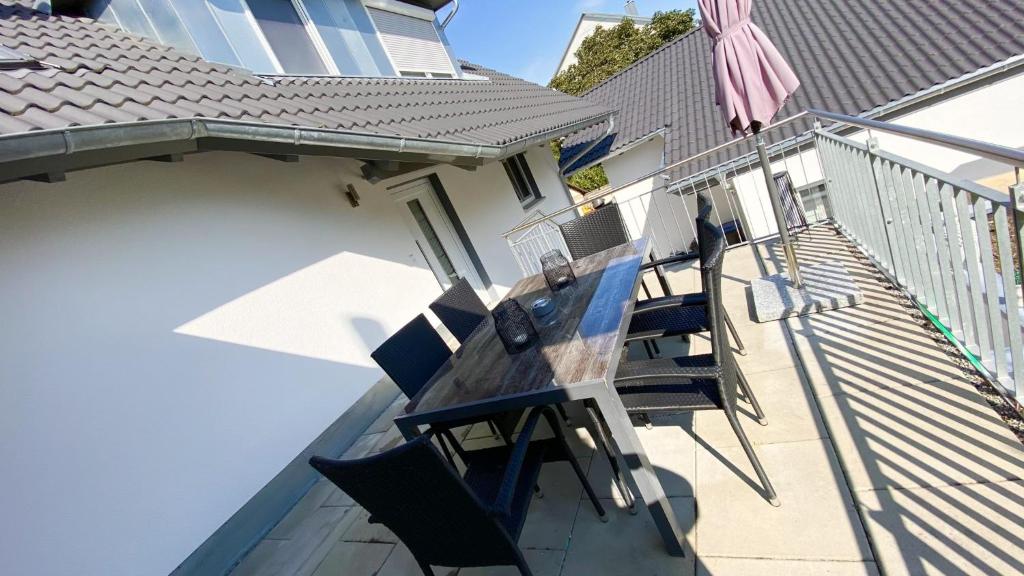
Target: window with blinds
[{"x": 412, "y": 43}]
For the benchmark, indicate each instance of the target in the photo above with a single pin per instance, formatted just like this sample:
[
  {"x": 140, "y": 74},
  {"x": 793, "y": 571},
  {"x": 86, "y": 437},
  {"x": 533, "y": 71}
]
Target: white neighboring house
[
  {"x": 966, "y": 83},
  {"x": 587, "y": 24},
  {"x": 198, "y": 260}
]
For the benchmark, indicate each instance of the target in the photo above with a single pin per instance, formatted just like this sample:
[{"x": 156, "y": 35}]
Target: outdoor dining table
[{"x": 575, "y": 359}]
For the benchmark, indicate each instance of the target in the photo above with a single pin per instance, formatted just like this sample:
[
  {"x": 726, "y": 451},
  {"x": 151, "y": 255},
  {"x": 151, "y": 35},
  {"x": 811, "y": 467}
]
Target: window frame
[
  {"x": 518, "y": 165},
  {"x": 314, "y": 36}
]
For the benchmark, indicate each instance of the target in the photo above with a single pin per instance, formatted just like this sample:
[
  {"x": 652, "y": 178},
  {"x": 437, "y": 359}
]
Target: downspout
[
  {"x": 448, "y": 18},
  {"x": 591, "y": 146}
]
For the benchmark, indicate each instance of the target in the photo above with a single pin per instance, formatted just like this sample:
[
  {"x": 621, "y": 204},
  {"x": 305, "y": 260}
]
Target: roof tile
[{"x": 99, "y": 74}]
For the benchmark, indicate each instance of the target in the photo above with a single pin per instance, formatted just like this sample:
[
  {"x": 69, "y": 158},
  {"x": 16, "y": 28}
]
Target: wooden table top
[{"x": 580, "y": 347}]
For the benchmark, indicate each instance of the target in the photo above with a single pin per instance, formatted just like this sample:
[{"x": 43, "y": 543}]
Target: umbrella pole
[{"x": 780, "y": 217}]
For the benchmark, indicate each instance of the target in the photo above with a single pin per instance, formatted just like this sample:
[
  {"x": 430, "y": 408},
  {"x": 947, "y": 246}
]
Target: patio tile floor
[{"x": 885, "y": 460}]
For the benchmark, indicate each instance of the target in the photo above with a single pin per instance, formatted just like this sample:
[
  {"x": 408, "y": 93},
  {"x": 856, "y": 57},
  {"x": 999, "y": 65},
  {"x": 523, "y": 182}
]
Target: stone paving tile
[
  {"x": 628, "y": 544},
  {"x": 305, "y": 518},
  {"x": 966, "y": 529},
  {"x": 299, "y": 556},
  {"x": 354, "y": 559},
  {"x": 926, "y": 435},
  {"x": 386, "y": 419},
  {"x": 550, "y": 519},
  {"x": 361, "y": 530},
  {"x": 672, "y": 450},
  {"x": 316, "y": 496},
  {"x": 879, "y": 356},
  {"x": 817, "y": 519},
  {"x": 711, "y": 566},
  {"x": 402, "y": 563},
  {"x": 788, "y": 405},
  {"x": 541, "y": 563}
]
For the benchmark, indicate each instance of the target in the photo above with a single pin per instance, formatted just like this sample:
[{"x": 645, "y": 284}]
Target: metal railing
[{"x": 952, "y": 245}]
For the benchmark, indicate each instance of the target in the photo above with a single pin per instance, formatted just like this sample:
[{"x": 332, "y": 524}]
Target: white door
[{"x": 435, "y": 236}]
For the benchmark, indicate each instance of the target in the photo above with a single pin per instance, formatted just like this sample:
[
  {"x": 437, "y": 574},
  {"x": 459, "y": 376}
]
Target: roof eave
[{"x": 48, "y": 154}]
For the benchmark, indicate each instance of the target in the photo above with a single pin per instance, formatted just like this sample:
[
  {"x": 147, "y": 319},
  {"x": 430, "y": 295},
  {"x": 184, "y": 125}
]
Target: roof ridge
[{"x": 647, "y": 56}]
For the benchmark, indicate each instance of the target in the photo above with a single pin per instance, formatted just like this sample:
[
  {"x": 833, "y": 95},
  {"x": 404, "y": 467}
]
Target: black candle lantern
[
  {"x": 557, "y": 270},
  {"x": 514, "y": 326}
]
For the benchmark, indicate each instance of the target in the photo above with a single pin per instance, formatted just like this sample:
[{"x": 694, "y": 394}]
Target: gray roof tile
[
  {"x": 851, "y": 56},
  {"x": 98, "y": 74}
]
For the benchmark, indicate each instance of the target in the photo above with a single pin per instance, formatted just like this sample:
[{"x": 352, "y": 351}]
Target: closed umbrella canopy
[{"x": 752, "y": 79}]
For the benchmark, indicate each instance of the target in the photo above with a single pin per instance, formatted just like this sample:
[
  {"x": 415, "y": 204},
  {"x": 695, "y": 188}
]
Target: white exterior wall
[
  {"x": 991, "y": 114},
  {"x": 175, "y": 334},
  {"x": 488, "y": 206}
]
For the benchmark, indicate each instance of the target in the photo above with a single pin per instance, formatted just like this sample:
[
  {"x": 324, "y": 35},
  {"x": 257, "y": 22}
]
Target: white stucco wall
[
  {"x": 174, "y": 334},
  {"x": 488, "y": 206},
  {"x": 990, "y": 114}
]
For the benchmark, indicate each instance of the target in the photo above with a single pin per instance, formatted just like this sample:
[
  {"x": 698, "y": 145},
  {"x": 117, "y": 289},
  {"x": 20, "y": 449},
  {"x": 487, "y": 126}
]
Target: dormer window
[
  {"x": 303, "y": 37},
  {"x": 285, "y": 27},
  {"x": 411, "y": 39}
]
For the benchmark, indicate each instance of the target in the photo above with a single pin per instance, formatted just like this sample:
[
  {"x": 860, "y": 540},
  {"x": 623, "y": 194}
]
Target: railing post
[
  {"x": 886, "y": 220},
  {"x": 1017, "y": 203}
]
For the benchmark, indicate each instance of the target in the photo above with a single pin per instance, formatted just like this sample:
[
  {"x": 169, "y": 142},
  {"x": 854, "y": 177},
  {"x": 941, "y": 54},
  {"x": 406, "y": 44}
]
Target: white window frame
[
  {"x": 318, "y": 41},
  {"x": 311, "y": 31},
  {"x": 534, "y": 196}
]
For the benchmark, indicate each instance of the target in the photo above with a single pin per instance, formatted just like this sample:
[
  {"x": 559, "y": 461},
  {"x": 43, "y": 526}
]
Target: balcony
[{"x": 881, "y": 447}]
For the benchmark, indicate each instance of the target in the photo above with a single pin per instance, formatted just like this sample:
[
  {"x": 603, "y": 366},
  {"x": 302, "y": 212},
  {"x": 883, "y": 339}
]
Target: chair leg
[
  {"x": 735, "y": 336},
  {"x": 772, "y": 498},
  {"x": 427, "y": 570},
  {"x": 617, "y": 476},
  {"x": 494, "y": 430},
  {"x": 563, "y": 414},
  {"x": 745, "y": 386},
  {"x": 648, "y": 349},
  {"x": 647, "y": 291},
  {"x": 654, "y": 344},
  {"x": 524, "y": 568}
]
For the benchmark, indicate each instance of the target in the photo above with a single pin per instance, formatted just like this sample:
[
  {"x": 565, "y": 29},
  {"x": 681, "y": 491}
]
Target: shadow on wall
[{"x": 996, "y": 175}]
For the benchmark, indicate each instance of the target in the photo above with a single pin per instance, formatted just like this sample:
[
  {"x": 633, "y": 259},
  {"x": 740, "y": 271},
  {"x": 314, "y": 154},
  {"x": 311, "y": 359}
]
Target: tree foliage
[{"x": 607, "y": 51}]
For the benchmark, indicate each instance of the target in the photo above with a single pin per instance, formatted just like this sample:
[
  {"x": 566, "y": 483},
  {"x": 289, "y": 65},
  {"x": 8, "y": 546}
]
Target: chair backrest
[
  {"x": 704, "y": 241},
  {"x": 595, "y": 232},
  {"x": 412, "y": 355},
  {"x": 713, "y": 244},
  {"x": 413, "y": 491},
  {"x": 460, "y": 310}
]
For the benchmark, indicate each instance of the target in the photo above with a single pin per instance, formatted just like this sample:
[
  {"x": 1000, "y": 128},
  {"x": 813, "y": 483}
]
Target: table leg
[{"x": 646, "y": 482}]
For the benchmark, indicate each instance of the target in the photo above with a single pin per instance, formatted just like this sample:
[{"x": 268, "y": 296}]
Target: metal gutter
[
  {"x": 30, "y": 154},
  {"x": 448, "y": 18}
]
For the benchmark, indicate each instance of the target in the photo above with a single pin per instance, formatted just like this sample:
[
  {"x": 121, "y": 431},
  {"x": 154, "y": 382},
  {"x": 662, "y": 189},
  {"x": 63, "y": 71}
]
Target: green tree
[{"x": 607, "y": 51}]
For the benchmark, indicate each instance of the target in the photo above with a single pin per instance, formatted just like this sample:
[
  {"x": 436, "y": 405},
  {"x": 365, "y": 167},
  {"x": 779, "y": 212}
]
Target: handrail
[
  {"x": 976, "y": 189},
  {"x": 606, "y": 193},
  {"x": 994, "y": 152}
]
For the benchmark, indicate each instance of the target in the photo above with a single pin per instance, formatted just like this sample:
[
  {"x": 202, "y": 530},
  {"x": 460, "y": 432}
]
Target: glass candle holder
[
  {"x": 557, "y": 270},
  {"x": 514, "y": 326}
]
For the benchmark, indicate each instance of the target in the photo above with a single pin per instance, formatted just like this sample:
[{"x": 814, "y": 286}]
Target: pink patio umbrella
[{"x": 752, "y": 82}]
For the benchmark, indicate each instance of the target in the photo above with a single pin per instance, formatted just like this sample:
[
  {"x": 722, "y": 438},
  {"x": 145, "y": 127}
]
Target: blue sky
[{"x": 526, "y": 38}]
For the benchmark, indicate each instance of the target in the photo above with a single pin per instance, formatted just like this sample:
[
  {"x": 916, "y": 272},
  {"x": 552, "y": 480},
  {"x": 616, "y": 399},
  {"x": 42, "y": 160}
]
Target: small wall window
[{"x": 522, "y": 179}]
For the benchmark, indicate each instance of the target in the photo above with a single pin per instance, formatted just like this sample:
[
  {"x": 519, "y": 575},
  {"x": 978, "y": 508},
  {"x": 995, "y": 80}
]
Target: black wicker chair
[
  {"x": 460, "y": 310},
  {"x": 701, "y": 382},
  {"x": 683, "y": 314},
  {"x": 414, "y": 354},
  {"x": 448, "y": 520},
  {"x": 603, "y": 229}
]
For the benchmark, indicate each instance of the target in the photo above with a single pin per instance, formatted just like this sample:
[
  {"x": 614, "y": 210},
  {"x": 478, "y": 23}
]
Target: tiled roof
[
  {"x": 851, "y": 56},
  {"x": 97, "y": 74}
]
